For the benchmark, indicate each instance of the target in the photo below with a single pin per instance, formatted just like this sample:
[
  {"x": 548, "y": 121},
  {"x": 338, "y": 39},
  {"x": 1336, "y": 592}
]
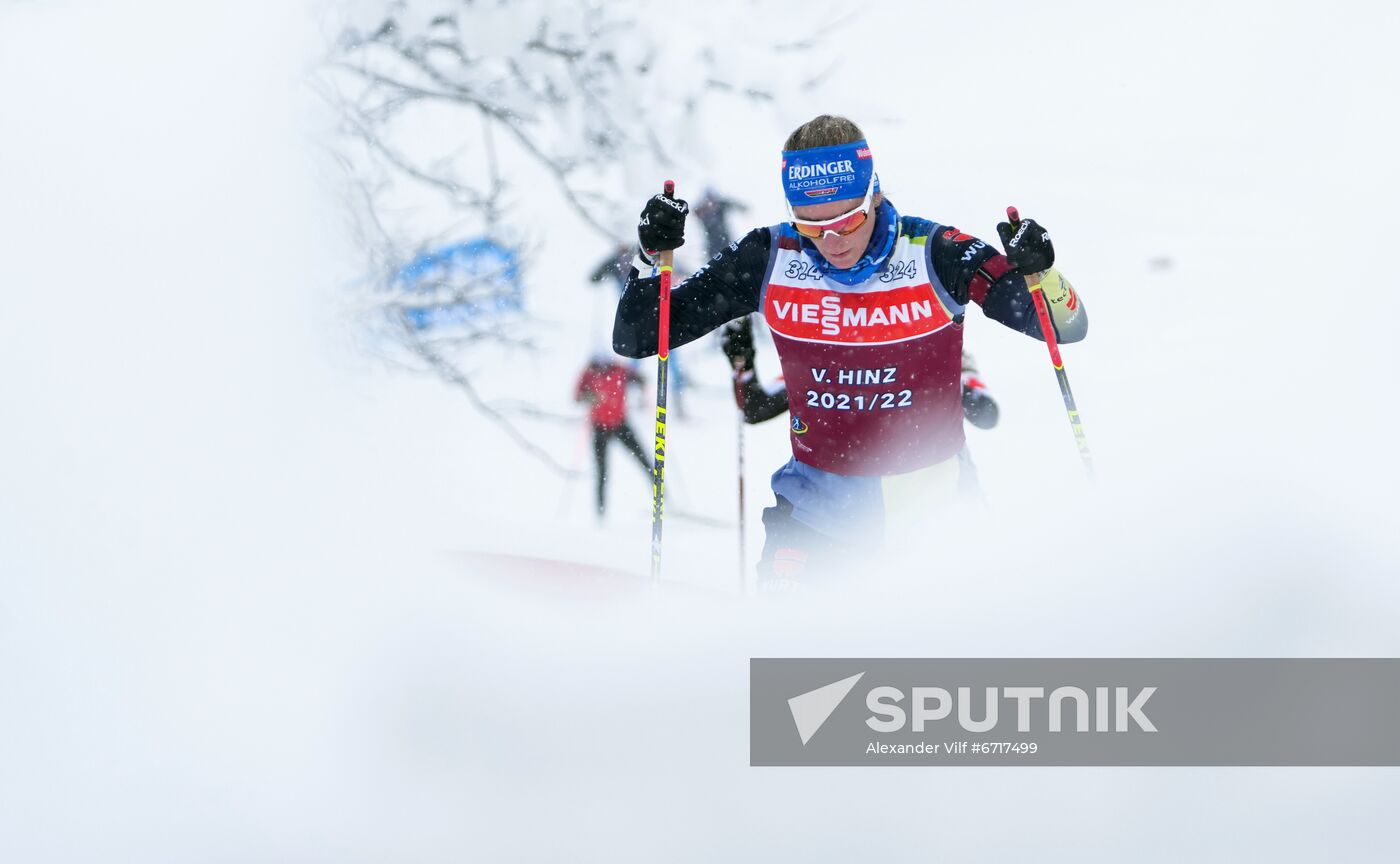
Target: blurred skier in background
[
  {"x": 603, "y": 385},
  {"x": 713, "y": 211},
  {"x": 614, "y": 267},
  {"x": 867, "y": 308}
]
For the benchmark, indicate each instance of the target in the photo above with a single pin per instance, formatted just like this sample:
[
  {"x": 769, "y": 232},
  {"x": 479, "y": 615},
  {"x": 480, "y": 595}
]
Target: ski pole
[
  {"x": 663, "y": 352},
  {"x": 1047, "y": 329},
  {"x": 743, "y": 555}
]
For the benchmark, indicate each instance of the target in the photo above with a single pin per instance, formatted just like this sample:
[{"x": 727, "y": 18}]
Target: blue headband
[{"x": 827, "y": 173}]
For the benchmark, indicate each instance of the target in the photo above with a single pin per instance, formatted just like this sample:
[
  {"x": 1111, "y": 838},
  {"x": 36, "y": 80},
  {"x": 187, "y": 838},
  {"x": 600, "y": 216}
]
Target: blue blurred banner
[{"x": 456, "y": 284}]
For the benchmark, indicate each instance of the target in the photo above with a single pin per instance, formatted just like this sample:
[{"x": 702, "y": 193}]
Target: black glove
[
  {"x": 662, "y": 225},
  {"x": 736, "y": 341},
  {"x": 979, "y": 408},
  {"x": 1027, "y": 245}
]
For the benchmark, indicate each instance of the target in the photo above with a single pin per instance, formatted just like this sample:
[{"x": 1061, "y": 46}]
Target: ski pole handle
[{"x": 668, "y": 256}]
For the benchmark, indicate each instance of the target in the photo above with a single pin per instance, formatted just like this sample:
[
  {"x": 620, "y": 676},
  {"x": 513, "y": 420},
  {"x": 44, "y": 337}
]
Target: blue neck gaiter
[{"x": 881, "y": 245}]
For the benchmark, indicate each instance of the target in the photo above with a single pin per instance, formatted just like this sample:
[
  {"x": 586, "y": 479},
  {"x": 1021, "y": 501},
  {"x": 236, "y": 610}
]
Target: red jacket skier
[{"x": 603, "y": 384}]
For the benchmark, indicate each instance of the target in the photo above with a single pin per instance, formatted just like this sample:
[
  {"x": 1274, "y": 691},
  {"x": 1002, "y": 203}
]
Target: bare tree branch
[{"x": 583, "y": 97}]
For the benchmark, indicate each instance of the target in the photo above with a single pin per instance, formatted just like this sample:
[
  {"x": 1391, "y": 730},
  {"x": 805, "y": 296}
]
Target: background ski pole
[
  {"x": 1047, "y": 329},
  {"x": 663, "y": 352}
]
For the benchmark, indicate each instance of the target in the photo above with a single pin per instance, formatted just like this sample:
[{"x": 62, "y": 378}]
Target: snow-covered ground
[{"x": 249, "y": 606}]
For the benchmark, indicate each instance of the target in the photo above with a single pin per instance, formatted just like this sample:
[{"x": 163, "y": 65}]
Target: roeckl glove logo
[
  {"x": 672, "y": 203},
  {"x": 813, "y": 708},
  {"x": 1016, "y": 241}
]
